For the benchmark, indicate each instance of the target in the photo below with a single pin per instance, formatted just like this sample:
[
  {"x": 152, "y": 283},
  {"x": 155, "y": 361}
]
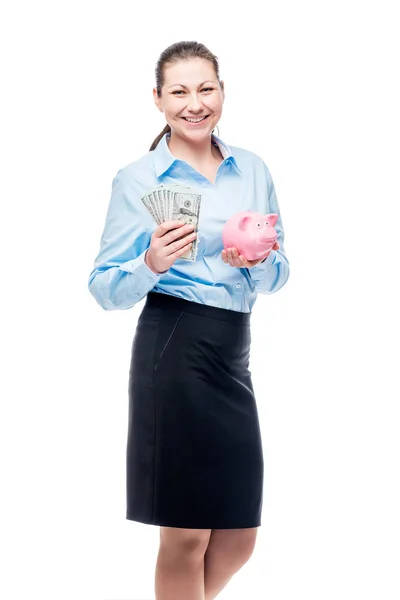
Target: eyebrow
[{"x": 184, "y": 86}]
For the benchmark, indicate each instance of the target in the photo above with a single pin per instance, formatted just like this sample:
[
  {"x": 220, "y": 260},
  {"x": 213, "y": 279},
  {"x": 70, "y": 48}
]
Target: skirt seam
[{"x": 167, "y": 343}]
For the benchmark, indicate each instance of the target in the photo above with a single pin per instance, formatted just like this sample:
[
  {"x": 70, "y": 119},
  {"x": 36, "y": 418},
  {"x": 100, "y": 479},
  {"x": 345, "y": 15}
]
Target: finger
[
  {"x": 178, "y": 233},
  {"x": 166, "y": 226},
  {"x": 182, "y": 250},
  {"x": 182, "y": 232},
  {"x": 180, "y": 243},
  {"x": 226, "y": 256},
  {"x": 236, "y": 260},
  {"x": 232, "y": 259}
]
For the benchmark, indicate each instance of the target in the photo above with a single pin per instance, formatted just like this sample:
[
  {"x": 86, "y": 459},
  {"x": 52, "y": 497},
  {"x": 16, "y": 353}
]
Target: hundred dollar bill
[
  {"x": 175, "y": 202},
  {"x": 186, "y": 207},
  {"x": 148, "y": 204},
  {"x": 159, "y": 201}
]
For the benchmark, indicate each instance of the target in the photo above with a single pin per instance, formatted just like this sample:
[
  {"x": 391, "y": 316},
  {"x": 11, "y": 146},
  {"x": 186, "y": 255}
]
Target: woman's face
[{"x": 190, "y": 90}]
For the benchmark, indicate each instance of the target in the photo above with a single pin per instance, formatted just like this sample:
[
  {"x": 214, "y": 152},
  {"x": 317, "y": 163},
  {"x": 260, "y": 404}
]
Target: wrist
[
  {"x": 149, "y": 263},
  {"x": 267, "y": 257}
]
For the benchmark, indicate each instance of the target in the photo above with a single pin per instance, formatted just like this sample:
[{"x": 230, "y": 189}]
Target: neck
[{"x": 199, "y": 152}]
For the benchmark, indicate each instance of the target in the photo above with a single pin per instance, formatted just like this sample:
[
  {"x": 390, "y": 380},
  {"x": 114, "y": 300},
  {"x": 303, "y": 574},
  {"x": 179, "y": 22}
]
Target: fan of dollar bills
[{"x": 178, "y": 203}]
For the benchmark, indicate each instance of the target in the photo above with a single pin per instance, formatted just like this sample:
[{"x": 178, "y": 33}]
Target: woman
[{"x": 194, "y": 451}]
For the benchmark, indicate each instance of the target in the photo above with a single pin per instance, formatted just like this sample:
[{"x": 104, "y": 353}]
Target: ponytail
[{"x": 167, "y": 129}]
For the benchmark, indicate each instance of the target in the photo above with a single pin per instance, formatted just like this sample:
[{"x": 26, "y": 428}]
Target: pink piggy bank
[{"x": 252, "y": 233}]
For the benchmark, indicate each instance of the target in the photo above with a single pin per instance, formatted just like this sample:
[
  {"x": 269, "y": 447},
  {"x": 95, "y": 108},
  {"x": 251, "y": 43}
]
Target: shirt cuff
[
  {"x": 265, "y": 264},
  {"x": 141, "y": 270}
]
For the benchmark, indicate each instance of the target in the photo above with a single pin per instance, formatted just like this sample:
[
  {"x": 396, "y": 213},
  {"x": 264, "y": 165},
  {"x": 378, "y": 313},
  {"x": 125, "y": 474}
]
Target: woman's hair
[{"x": 172, "y": 54}]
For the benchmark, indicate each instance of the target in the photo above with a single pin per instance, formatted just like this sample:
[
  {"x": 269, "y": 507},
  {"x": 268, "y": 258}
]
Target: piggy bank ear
[
  {"x": 244, "y": 222},
  {"x": 271, "y": 219}
]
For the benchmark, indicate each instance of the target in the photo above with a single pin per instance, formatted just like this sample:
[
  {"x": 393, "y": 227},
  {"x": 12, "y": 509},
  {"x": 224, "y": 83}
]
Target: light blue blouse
[{"x": 120, "y": 278}]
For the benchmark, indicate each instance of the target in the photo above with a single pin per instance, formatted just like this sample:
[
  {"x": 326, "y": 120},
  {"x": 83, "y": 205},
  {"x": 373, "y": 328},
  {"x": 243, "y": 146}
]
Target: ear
[
  {"x": 244, "y": 222},
  {"x": 157, "y": 100},
  {"x": 271, "y": 218},
  {"x": 223, "y": 90}
]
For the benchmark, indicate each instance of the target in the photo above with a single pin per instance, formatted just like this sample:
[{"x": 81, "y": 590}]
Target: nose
[
  {"x": 194, "y": 103},
  {"x": 268, "y": 234}
]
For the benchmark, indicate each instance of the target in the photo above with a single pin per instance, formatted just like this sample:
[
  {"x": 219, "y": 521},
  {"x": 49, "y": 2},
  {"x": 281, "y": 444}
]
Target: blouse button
[{"x": 238, "y": 285}]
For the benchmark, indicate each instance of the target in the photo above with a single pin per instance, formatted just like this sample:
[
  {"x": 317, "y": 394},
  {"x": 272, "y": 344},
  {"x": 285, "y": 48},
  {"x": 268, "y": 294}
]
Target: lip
[{"x": 195, "y": 124}]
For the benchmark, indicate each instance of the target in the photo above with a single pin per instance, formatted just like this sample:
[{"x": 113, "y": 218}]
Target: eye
[
  {"x": 258, "y": 224},
  {"x": 176, "y": 92},
  {"x": 266, "y": 223}
]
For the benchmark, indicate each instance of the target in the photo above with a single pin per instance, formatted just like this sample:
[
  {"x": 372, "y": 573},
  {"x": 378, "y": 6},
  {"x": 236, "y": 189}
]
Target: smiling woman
[
  {"x": 191, "y": 96},
  {"x": 194, "y": 452}
]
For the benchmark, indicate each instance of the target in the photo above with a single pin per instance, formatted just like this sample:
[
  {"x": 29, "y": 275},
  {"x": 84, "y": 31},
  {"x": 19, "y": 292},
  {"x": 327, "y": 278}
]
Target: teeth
[{"x": 194, "y": 120}]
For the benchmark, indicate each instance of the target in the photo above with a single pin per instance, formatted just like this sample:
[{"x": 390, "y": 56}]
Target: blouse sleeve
[
  {"x": 271, "y": 274},
  {"x": 120, "y": 277}
]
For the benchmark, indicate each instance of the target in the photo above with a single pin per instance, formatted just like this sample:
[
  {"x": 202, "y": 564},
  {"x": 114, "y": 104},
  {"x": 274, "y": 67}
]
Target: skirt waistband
[{"x": 161, "y": 300}]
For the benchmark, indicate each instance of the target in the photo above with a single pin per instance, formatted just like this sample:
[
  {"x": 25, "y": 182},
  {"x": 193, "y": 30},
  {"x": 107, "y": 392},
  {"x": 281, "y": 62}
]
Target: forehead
[{"x": 189, "y": 72}]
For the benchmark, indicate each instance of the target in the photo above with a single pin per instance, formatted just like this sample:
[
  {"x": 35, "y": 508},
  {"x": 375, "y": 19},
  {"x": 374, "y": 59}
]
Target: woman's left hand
[{"x": 232, "y": 257}]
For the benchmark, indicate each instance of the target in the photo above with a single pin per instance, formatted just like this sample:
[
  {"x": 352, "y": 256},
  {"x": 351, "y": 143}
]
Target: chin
[{"x": 197, "y": 134}]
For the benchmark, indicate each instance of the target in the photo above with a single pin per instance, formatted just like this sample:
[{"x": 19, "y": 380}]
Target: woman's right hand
[{"x": 165, "y": 247}]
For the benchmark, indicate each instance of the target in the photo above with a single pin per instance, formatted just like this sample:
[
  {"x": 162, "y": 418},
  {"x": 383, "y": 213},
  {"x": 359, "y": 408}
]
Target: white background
[{"x": 312, "y": 87}]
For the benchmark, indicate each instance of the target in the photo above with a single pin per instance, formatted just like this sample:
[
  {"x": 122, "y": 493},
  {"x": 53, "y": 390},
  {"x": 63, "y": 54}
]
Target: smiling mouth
[{"x": 194, "y": 120}]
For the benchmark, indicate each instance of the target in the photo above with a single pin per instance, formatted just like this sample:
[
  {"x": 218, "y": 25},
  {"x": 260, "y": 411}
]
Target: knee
[
  {"x": 246, "y": 547},
  {"x": 235, "y": 547},
  {"x": 185, "y": 545}
]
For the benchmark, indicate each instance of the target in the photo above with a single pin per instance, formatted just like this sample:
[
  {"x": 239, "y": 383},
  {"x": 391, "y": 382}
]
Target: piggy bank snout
[{"x": 267, "y": 233}]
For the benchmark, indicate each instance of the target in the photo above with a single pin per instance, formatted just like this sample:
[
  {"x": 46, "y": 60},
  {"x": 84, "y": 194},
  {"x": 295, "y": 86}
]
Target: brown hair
[{"x": 174, "y": 53}]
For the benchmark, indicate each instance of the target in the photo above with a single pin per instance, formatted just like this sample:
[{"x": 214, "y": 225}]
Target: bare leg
[
  {"x": 227, "y": 552},
  {"x": 180, "y": 563}
]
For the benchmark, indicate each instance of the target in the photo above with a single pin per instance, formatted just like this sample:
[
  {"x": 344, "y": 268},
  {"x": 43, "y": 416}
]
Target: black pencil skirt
[{"x": 194, "y": 450}]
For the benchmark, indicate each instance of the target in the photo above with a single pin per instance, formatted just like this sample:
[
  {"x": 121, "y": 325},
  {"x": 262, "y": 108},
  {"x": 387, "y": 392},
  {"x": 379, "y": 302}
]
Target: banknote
[{"x": 178, "y": 203}]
